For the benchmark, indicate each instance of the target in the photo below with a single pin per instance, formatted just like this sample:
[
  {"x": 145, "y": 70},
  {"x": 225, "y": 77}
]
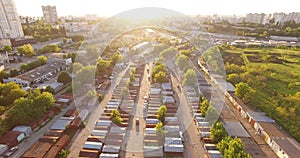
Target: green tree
[
  {"x": 64, "y": 77},
  {"x": 212, "y": 115},
  {"x": 13, "y": 72},
  {"x": 223, "y": 144},
  {"x": 186, "y": 52},
  {"x": 103, "y": 65},
  {"x": 28, "y": 109},
  {"x": 86, "y": 74},
  {"x": 8, "y": 48},
  {"x": 217, "y": 132},
  {"x": 70, "y": 55},
  {"x": 244, "y": 91},
  {"x": 63, "y": 153},
  {"x": 42, "y": 59},
  {"x": 161, "y": 113},
  {"x": 26, "y": 50},
  {"x": 233, "y": 78},
  {"x": 75, "y": 67},
  {"x": 100, "y": 97},
  {"x": 158, "y": 68},
  {"x": 235, "y": 149},
  {"x": 159, "y": 129},
  {"x": 49, "y": 89},
  {"x": 190, "y": 78},
  {"x": 51, "y": 48},
  {"x": 24, "y": 68},
  {"x": 160, "y": 77},
  {"x": 3, "y": 75},
  {"x": 182, "y": 62},
  {"x": 116, "y": 117},
  {"x": 9, "y": 92},
  {"x": 168, "y": 53},
  {"x": 204, "y": 106},
  {"x": 115, "y": 58},
  {"x": 124, "y": 92},
  {"x": 92, "y": 51}
]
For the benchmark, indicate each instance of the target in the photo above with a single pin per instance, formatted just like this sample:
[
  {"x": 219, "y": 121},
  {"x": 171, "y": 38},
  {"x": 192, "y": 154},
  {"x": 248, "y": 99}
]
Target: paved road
[
  {"x": 193, "y": 146},
  {"x": 135, "y": 144}
]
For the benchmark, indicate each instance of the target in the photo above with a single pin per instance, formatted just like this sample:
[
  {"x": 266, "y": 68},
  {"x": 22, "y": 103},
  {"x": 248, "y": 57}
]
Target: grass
[{"x": 276, "y": 82}]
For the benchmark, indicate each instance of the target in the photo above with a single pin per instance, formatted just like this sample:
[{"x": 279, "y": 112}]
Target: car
[
  {"x": 11, "y": 151},
  {"x": 181, "y": 136}
]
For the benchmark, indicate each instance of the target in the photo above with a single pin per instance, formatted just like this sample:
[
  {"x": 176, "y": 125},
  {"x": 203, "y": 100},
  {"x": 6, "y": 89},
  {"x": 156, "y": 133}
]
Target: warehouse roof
[
  {"x": 235, "y": 129},
  {"x": 260, "y": 117}
]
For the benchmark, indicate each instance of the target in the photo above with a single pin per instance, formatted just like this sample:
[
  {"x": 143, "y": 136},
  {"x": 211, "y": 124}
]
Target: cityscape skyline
[{"x": 109, "y": 8}]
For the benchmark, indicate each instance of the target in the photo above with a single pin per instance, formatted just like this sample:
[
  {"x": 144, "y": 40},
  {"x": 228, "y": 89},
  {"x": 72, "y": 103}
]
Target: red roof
[{"x": 10, "y": 138}]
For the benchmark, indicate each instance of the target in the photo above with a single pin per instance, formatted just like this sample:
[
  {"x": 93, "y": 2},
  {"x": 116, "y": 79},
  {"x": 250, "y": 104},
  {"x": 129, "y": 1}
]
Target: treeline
[
  {"x": 24, "y": 107},
  {"x": 289, "y": 28},
  {"x": 41, "y": 60},
  {"x": 42, "y": 31},
  {"x": 270, "y": 87}
]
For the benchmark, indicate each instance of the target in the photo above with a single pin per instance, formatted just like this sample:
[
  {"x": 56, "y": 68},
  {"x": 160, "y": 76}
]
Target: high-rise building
[
  {"x": 257, "y": 18},
  {"x": 50, "y": 14},
  {"x": 10, "y": 25}
]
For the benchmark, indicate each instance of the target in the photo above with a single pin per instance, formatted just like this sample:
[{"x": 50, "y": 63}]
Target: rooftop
[
  {"x": 289, "y": 145},
  {"x": 235, "y": 129},
  {"x": 273, "y": 130},
  {"x": 42, "y": 70},
  {"x": 260, "y": 117}
]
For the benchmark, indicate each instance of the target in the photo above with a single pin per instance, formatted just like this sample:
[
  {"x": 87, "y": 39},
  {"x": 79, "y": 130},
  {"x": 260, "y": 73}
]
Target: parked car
[
  {"x": 11, "y": 151},
  {"x": 181, "y": 136}
]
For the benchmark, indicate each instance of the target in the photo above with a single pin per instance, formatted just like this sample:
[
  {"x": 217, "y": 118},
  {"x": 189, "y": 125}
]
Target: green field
[{"x": 274, "y": 74}]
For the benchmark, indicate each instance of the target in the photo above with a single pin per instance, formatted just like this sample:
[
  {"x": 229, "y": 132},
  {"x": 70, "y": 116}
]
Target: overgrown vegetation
[
  {"x": 25, "y": 110},
  {"x": 267, "y": 79}
]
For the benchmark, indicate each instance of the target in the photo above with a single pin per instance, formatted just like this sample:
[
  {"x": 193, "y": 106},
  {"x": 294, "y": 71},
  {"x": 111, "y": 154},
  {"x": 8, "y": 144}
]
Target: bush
[
  {"x": 161, "y": 113},
  {"x": 64, "y": 77},
  {"x": 116, "y": 117},
  {"x": 51, "y": 48}
]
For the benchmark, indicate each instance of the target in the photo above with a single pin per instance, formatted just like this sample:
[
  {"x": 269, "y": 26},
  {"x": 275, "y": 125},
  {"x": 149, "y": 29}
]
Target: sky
[{"x": 188, "y": 7}]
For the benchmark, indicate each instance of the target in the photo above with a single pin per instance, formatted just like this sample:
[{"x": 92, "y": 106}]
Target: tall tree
[
  {"x": 64, "y": 77},
  {"x": 217, "y": 132},
  {"x": 9, "y": 92},
  {"x": 103, "y": 65},
  {"x": 75, "y": 67},
  {"x": 244, "y": 91},
  {"x": 3, "y": 75},
  {"x": 204, "y": 106},
  {"x": 190, "y": 78},
  {"x": 160, "y": 77},
  {"x": 86, "y": 74},
  {"x": 13, "y": 72},
  {"x": 42, "y": 59},
  {"x": 26, "y": 50}
]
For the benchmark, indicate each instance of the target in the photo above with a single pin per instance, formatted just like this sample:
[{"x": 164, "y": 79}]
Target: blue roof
[{"x": 260, "y": 117}]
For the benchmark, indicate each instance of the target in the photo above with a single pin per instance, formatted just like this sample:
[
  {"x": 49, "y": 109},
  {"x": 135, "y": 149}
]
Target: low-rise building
[
  {"x": 280, "y": 142},
  {"x": 38, "y": 74}
]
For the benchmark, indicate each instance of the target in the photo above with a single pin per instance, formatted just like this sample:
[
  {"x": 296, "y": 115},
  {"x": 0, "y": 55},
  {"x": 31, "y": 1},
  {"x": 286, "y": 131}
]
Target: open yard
[{"x": 274, "y": 74}]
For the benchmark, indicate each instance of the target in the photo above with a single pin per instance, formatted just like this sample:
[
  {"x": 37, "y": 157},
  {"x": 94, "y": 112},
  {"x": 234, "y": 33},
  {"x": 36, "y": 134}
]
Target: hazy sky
[{"x": 112, "y": 7}]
